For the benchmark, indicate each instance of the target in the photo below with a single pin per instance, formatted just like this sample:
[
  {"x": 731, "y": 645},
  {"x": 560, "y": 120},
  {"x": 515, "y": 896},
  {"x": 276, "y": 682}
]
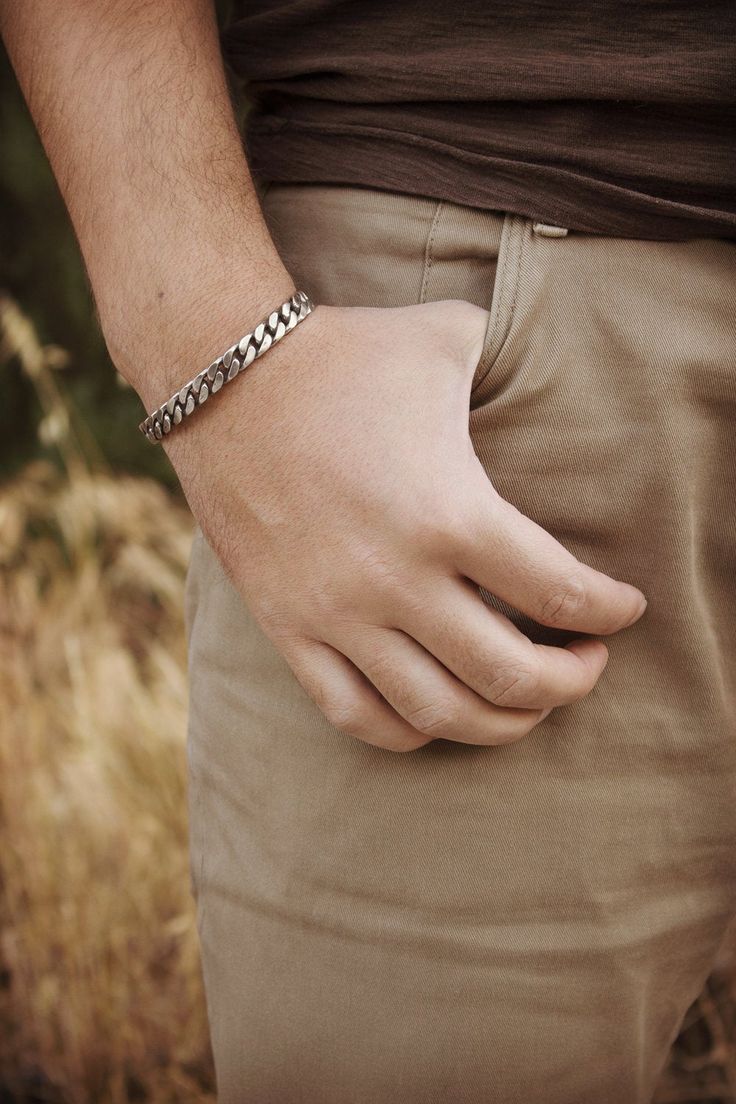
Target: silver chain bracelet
[{"x": 226, "y": 367}]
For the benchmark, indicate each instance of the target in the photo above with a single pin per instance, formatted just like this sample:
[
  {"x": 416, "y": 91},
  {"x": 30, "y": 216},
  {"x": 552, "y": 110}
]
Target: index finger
[{"x": 512, "y": 557}]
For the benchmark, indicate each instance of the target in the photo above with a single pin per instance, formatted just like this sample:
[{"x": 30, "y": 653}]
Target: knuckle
[
  {"x": 383, "y": 669},
  {"x": 565, "y": 602},
  {"x": 344, "y": 713},
  {"x": 376, "y": 572},
  {"x": 437, "y": 528},
  {"x": 463, "y": 325},
  {"x": 436, "y": 718},
  {"x": 514, "y": 684},
  {"x": 451, "y": 313}
]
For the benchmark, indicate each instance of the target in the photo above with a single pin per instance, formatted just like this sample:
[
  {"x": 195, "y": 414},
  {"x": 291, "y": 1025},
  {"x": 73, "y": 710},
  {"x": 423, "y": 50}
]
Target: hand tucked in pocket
[{"x": 338, "y": 485}]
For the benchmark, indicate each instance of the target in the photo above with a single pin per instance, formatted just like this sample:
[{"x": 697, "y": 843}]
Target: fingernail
[{"x": 639, "y": 612}]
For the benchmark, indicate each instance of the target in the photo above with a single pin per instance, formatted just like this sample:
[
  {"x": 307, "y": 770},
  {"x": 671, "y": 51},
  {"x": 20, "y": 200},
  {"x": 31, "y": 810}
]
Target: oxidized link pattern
[{"x": 226, "y": 367}]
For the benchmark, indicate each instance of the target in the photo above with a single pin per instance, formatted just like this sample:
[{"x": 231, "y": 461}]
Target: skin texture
[{"x": 351, "y": 513}]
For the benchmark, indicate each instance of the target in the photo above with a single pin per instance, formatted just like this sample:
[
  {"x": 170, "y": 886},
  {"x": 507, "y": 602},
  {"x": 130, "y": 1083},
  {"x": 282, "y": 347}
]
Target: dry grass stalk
[
  {"x": 100, "y": 990},
  {"x": 102, "y": 996}
]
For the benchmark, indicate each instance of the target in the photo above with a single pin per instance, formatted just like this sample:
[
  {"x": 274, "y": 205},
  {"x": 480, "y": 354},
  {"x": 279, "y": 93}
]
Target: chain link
[{"x": 223, "y": 370}]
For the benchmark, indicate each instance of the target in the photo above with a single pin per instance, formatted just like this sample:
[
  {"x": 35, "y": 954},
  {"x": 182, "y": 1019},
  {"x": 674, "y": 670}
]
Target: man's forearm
[
  {"x": 352, "y": 513},
  {"x": 132, "y": 106}
]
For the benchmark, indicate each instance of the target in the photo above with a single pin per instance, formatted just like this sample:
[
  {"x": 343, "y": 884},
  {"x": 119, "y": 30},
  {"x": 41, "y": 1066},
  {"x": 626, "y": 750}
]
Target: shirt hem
[{"x": 295, "y": 152}]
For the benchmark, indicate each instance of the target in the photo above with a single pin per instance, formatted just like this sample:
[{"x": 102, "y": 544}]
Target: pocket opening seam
[
  {"x": 514, "y": 236},
  {"x": 429, "y": 250}
]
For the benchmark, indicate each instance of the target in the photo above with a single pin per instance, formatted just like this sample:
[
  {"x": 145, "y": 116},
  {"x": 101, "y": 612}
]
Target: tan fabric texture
[{"x": 524, "y": 924}]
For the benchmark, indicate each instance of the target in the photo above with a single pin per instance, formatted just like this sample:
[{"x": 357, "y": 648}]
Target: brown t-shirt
[{"x": 609, "y": 116}]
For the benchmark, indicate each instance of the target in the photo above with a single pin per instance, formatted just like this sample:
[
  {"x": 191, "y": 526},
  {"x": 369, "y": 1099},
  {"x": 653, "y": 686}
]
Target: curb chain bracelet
[{"x": 221, "y": 371}]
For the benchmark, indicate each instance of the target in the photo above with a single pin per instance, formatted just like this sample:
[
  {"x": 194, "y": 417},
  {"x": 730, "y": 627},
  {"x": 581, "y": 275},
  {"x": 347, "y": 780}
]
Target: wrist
[
  {"x": 178, "y": 333},
  {"x": 226, "y": 367},
  {"x": 257, "y": 403}
]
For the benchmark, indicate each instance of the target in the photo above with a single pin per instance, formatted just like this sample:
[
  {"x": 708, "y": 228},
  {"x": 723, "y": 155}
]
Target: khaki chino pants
[{"x": 524, "y": 924}]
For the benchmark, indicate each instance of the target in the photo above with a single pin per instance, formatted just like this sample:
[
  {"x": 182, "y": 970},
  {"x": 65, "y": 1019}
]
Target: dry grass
[
  {"x": 101, "y": 998},
  {"x": 100, "y": 990}
]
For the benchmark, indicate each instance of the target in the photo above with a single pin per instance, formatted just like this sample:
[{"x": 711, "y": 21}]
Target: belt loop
[{"x": 545, "y": 230}]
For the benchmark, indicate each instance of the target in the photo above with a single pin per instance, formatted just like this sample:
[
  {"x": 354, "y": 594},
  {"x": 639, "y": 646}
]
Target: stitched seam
[
  {"x": 502, "y": 314},
  {"x": 517, "y": 279},
  {"x": 428, "y": 258},
  {"x": 521, "y": 243},
  {"x": 491, "y": 340}
]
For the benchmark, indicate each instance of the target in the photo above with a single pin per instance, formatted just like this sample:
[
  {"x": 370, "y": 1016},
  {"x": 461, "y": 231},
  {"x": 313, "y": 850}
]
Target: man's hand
[
  {"x": 336, "y": 480},
  {"x": 342, "y": 495}
]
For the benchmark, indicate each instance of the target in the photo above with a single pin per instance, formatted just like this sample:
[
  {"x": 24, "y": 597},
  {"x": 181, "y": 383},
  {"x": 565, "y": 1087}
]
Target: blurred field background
[{"x": 100, "y": 990}]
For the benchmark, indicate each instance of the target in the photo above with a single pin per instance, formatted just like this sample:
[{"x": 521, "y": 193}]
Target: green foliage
[{"x": 41, "y": 268}]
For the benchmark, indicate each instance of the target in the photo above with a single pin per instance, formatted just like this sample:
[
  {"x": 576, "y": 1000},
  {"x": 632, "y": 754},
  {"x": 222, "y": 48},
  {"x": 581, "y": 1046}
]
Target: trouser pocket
[
  {"x": 515, "y": 234},
  {"x": 350, "y": 246}
]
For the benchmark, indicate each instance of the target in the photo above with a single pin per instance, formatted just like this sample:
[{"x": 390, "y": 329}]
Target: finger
[
  {"x": 428, "y": 696},
  {"x": 493, "y": 657},
  {"x": 517, "y": 560},
  {"x": 349, "y": 701}
]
